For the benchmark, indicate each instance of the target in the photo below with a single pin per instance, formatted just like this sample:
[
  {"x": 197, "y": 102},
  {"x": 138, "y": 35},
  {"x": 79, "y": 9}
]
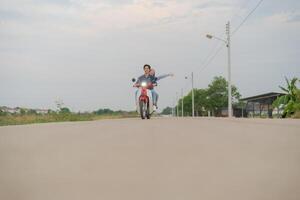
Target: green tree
[
  {"x": 217, "y": 94},
  {"x": 50, "y": 111},
  {"x": 291, "y": 100},
  {"x": 22, "y": 111},
  {"x": 2, "y": 113},
  {"x": 187, "y": 104},
  {"x": 104, "y": 111},
  {"x": 212, "y": 99},
  {"x": 31, "y": 112},
  {"x": 201, "y": 99},
  {"x": 200, "y": 102},
  {"x": 167, "y": 111},
  {"x": 64, "y": 110}
]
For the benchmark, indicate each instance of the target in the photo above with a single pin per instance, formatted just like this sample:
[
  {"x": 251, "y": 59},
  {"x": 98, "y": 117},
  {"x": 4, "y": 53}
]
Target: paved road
[{"x": 161, "y": 159}]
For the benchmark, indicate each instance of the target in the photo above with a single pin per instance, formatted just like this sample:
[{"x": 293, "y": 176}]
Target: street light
[
  {"x": 215, "y": 37},
  {"x": 181, "y": 102},
  {"x": 177, "y": 107},
  {"x": 209, "y": 36},
  {"x": 193, "y": 96},
  {"x": 228, "y": 45}
]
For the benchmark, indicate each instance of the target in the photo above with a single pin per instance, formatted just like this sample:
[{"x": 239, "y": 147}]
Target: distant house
[
  {"x": 41, "y": 111},
  {"x": 261, "y": 105},
  {"x": 17, "y": 110},
  {"x": 237, "y": 112},
  {"x": 6, "y": 109}
]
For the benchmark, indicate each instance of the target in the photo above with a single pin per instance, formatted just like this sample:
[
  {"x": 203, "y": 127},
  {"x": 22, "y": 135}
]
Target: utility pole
[
  {"x": 182, "y": 102},
  {"x": 177, "y": 105},
  {"x": 228, "y": 45},
  {"x": 229, "y": 71},
  {"x": 173, "y": 108},
  {"x": 193, "y": 97}
]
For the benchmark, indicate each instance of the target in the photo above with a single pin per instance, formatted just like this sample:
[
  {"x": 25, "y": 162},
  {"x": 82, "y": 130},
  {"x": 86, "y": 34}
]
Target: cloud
[
  {"x": 213, "y": 4},
  {"x": 284, "y": 17},
  {"x": 294, "y": 17},
  {"x": 73, "y": 49},
  {"x": 91, "y": 17}
]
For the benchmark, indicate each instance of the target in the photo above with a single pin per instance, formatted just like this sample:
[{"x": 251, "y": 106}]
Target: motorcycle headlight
[{"x": 143, "y": 84}]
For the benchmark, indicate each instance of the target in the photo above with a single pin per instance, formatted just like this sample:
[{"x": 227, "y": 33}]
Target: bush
[
  {"x": 103, "y": 111},
  {"x": 167, "y": 111},
  {"x": 65, "y": 110},
  {"x": 291, "y": 100},
  {"x": 2, "y": 113},
  {"x": 297, "y": 115}
]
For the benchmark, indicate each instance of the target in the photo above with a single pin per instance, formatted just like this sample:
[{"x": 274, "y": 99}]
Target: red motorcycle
[{"x": 144, "y": 102}]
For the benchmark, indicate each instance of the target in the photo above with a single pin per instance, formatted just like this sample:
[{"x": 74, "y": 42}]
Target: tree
[
  {"x": 217, "y": 94},
  {"x": 50, "y": 111},
  {"x": 213, "y": 99},
  {"x": 291, "y": 100},
  {"x": 3, "y": 113},
  {"x": 64, "y": 110},
  {"x": 103, "y": 111},
  {"x": 22, "y": 111},
  {"x": 31, "y": 112},
  {"x": 167, "y": 111},
  {"x": 201, "y": 102}
]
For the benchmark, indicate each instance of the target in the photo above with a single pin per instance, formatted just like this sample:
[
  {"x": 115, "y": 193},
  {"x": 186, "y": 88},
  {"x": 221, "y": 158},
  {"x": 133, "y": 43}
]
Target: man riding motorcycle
[{"x": 149, "y": 79}]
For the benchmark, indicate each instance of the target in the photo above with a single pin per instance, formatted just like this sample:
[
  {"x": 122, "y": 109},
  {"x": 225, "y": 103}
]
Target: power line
[
  {"x": 211, "y": 53},
  {"x": 209, "y": 60},
  {"x": 238, "y": 13},
  {"x": 247, "y": 17}
]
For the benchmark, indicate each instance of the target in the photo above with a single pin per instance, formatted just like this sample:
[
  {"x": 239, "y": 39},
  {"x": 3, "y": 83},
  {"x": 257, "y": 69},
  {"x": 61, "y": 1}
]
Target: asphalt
[{"x": 158, "y": 159}]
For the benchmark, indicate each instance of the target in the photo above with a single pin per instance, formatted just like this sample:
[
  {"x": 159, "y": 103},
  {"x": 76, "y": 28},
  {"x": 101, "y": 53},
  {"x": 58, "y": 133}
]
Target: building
[
  {"x": 41, "y": 111},
  {"x": 6, "y": 109},
  {"x": 261, "y": 105},
  {"x": 18, "y": 110}
]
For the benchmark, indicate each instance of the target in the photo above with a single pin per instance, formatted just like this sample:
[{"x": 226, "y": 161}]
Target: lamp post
[
  {"x": 177, "y": 107},
  {"x": 193, "y": 96},
  {"x": 173, "y": 107},
  {"x": 228, "y": 45},
  {"x": 181, "y": 102}
]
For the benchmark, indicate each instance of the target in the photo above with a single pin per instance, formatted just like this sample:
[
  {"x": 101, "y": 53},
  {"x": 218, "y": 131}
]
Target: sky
[{"x": 85, "y": 52}]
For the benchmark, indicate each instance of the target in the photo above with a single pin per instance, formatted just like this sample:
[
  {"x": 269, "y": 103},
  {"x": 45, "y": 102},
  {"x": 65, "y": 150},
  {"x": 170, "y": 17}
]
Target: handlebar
[{"x": 149, "y": 85}]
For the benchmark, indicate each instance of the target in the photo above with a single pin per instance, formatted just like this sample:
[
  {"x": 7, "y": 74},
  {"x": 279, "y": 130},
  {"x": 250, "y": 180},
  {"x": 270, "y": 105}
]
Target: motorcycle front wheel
[
  {"x": 148, "y": 115},
  {"x": 143, "y": 109}
]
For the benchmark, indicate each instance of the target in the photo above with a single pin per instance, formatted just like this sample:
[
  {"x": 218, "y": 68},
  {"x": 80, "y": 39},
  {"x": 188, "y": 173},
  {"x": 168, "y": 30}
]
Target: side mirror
[{"x": 133, "y": 80}]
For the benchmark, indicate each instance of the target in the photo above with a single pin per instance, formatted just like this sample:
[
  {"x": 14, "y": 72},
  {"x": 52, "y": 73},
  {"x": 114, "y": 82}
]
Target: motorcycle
[{"x": 144, "y": 102}]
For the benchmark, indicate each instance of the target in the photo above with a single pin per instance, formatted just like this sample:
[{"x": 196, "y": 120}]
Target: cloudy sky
[{"x": 85, "y": 52}]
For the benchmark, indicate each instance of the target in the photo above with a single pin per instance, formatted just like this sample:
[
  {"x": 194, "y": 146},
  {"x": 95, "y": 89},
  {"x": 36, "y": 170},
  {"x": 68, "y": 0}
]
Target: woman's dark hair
[{"x": 147, "y": 66}]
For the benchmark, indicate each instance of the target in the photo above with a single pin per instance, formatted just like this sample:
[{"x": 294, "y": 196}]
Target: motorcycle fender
[{"x": 149, "y": 94}]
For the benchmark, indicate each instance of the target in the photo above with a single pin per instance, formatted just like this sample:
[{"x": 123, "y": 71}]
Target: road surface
[{"x": 160, "y": 159}]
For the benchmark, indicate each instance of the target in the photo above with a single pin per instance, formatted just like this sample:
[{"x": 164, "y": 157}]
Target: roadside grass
[
  {"x": 55, "y": 117},
  {"x": 297, "y": 115}
]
